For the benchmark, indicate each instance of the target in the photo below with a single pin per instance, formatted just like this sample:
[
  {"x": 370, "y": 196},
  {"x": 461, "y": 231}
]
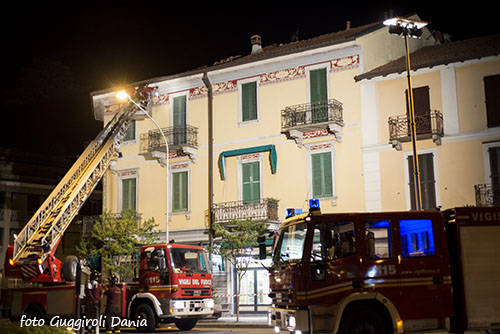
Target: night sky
[{"x": 55, "y": 55}]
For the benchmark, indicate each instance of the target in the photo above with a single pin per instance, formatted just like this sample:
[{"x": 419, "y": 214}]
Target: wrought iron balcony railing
[
  {"x": 427, "y": 126},
  {"x": 308, "y": 115},
  {"x": 183, "y": 138},
  {"x": 176, "y": 137},
  {"x": 487, "y": 195},
  {"x": 262, "y": 210}
]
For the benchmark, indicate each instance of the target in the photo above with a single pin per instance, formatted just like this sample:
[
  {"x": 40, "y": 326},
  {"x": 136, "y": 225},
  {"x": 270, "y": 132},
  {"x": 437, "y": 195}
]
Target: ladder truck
[
  {"x": 174, "y": 285},
  {"x": 386, "y": 272}
]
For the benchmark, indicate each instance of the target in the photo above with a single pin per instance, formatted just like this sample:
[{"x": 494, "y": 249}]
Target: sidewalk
[
  {"x": 246, "y": 320},
  {"x": 260, "y": 321}
]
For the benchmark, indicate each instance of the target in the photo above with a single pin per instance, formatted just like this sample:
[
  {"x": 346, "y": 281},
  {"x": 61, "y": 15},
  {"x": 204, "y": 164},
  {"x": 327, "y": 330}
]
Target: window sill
[
  {"x": 129, "y": 142},
  {"x": 180, "y": 213},
  {"x": 333, "y": 199},
  {"x": 248, "y": 123}
]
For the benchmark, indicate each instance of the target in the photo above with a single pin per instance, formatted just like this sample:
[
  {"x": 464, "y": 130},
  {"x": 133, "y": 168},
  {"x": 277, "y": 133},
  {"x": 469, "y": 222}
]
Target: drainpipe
[{"x": 207, "y": 83}]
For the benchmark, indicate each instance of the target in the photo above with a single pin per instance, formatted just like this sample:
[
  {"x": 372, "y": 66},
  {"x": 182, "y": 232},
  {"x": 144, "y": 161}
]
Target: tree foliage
[
  {"x": 116, "y": 239},
  {"x": 236, "y": 244}
]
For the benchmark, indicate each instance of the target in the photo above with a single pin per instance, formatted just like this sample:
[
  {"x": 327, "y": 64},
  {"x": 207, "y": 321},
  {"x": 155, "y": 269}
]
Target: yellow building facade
[
  {"x": 456, "y": 89},
  {"x": 315, "y": 156}
]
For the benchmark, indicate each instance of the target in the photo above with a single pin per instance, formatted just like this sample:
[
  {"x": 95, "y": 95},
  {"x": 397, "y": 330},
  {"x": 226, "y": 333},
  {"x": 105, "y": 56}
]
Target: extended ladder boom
[{"x": 42, "y": 233}]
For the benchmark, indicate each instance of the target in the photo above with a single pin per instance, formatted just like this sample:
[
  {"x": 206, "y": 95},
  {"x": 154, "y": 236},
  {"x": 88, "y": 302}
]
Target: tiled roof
[
  {"x": 442, "y": 54},
  {"x": 276, "y": 50}
]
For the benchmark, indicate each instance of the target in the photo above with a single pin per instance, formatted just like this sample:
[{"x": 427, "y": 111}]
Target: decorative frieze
[
  {"x": 217, "y": 88},
  {"x": 344, "y": 63},
  {"x": 282, "y": 75},
  {"x": 293, "y": 73},
  {"x": 314, "y": 134}
]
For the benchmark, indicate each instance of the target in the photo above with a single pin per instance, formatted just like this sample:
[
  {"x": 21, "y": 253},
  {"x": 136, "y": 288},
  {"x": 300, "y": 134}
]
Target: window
[
  {"x": 427, "y": 181},
  {"x": 422, "y": 110},
  {"x": 2, "y": 199},
  {"x": 492, "y": 95},
  {"x": 378, "y": 239},
  {"x": 155, "y": 259},
  {"x": 249, "y": 101},
  {"x": 180, "y": 191},
  {"x": 130, "y": 134},
  {"x": 179, "y": 120},
  {"x": 494, "y": 156},
  {"x": 250, "y": 178},
  {"x": 129, "y": 194},
  {"x": 321, "y": 166},
  {"x": 318, "y": 95},
  {"x": 417, "y": 237},
  {"x": 333, "y": 240}
]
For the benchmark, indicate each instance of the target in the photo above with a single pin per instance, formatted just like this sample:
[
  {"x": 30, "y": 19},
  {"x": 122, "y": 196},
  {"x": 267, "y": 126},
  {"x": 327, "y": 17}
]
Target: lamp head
[
  {"x": 122, "y": 95},
  {"x": 404, "y": 26}
]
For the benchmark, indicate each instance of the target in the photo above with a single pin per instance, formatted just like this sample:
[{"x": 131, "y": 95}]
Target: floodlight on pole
[
  {"x": 410, "y": 28},
  {"x": 124, "y": 96}
]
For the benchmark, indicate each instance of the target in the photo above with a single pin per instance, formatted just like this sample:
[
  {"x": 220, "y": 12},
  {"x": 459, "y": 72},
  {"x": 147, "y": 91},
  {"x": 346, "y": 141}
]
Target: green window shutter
[
  {"x": 130, "y": 134},
  {"x": 251, "y": 182},
  {"x": 180, "y": 120},
  {"x": 128, "y": 194},
  {"x": 319, "y": 95},
  {"x": 180, "y": 191},
  {"x": 321, "y": 164},
  {"x": 318, "y": 85},
  {"x": 249, "y": 101}
]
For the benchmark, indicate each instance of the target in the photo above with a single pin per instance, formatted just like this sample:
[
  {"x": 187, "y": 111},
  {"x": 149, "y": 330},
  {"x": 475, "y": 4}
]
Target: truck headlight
[
  {"x": 209, "y": 303},
  {"x": 179, "y": 304}
]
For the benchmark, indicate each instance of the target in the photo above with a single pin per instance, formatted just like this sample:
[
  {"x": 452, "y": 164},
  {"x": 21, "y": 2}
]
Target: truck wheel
[
  {"x": 70, "y": 267},
  {"x": 185, "y": 324},
  {"x": 363, "y": 321},
  {"x": 144, "y": 311}
]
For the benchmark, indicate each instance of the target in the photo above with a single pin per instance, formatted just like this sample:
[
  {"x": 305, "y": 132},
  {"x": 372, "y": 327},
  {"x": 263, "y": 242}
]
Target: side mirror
[
  {"x": 162, "y": 263},
  {"x": 262, "y": 247}
]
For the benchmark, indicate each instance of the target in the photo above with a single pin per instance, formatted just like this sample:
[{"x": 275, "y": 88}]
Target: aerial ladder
[{"x": 35, "y": 245}]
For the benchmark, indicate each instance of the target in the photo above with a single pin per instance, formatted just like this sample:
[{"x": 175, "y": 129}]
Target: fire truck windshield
[
  {"x": 188, "y": 260},
  {"x": 290, "y": 244}
]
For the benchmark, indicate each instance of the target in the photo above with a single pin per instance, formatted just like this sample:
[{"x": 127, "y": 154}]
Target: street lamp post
[
  {"x": 410, "y": 28},
  {"x": 122, "y": 95}
]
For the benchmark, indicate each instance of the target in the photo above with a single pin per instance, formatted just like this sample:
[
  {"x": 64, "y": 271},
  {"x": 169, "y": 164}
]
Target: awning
[{"x": 273, "y": 159}]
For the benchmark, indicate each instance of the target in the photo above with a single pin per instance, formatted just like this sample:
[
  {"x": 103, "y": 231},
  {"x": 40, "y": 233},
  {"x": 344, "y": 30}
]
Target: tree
[
  {"x": 116, "y": 239},
  {"x": 236, "y": 245}
]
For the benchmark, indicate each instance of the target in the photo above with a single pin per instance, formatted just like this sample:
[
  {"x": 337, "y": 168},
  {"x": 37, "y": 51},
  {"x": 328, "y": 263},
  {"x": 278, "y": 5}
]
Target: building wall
[
  {"x": 461, "y": 160},
  {"x": 279, "y": 85}
]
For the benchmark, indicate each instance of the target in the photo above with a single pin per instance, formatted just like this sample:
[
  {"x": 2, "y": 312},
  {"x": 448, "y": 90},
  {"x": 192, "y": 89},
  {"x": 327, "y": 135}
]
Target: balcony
[
  {"x": 487, "y": 195},
  {"x": 262, "y": 210},
  {"x": 427, "y": 126},
  {"x": 180, "y": 139},
  {"x": 307, "y": 117}
]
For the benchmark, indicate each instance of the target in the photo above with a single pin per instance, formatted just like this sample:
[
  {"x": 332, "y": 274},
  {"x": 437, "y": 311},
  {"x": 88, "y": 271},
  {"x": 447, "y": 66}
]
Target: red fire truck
[
  {"x": 174, "y": 285},
  {"x": 387, "y": 272}
]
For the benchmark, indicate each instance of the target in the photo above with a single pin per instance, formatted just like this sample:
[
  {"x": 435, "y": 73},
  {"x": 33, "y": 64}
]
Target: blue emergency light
[
  {"x": 290, "y": 212},
  {"x": 314, "y": 203}
]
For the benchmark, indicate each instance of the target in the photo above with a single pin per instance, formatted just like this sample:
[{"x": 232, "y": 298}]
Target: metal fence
[
  {"x": 263, "y": 210},
  {"x": 312, "y": 113},
  {"x": 176, "y": 137},
  {"x": 487, "y": 195},
  {"x": 429, "y": 124}
]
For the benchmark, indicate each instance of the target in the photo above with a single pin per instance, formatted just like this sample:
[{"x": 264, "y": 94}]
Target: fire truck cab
[
  {"x": 174, "y": 285},
  {"x": 385, "y": 272}
]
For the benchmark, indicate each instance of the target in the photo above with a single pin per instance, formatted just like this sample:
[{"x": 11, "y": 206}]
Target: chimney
[
  {"x": 348, "y": 25},
  {"x": 256, "y": 42}
]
